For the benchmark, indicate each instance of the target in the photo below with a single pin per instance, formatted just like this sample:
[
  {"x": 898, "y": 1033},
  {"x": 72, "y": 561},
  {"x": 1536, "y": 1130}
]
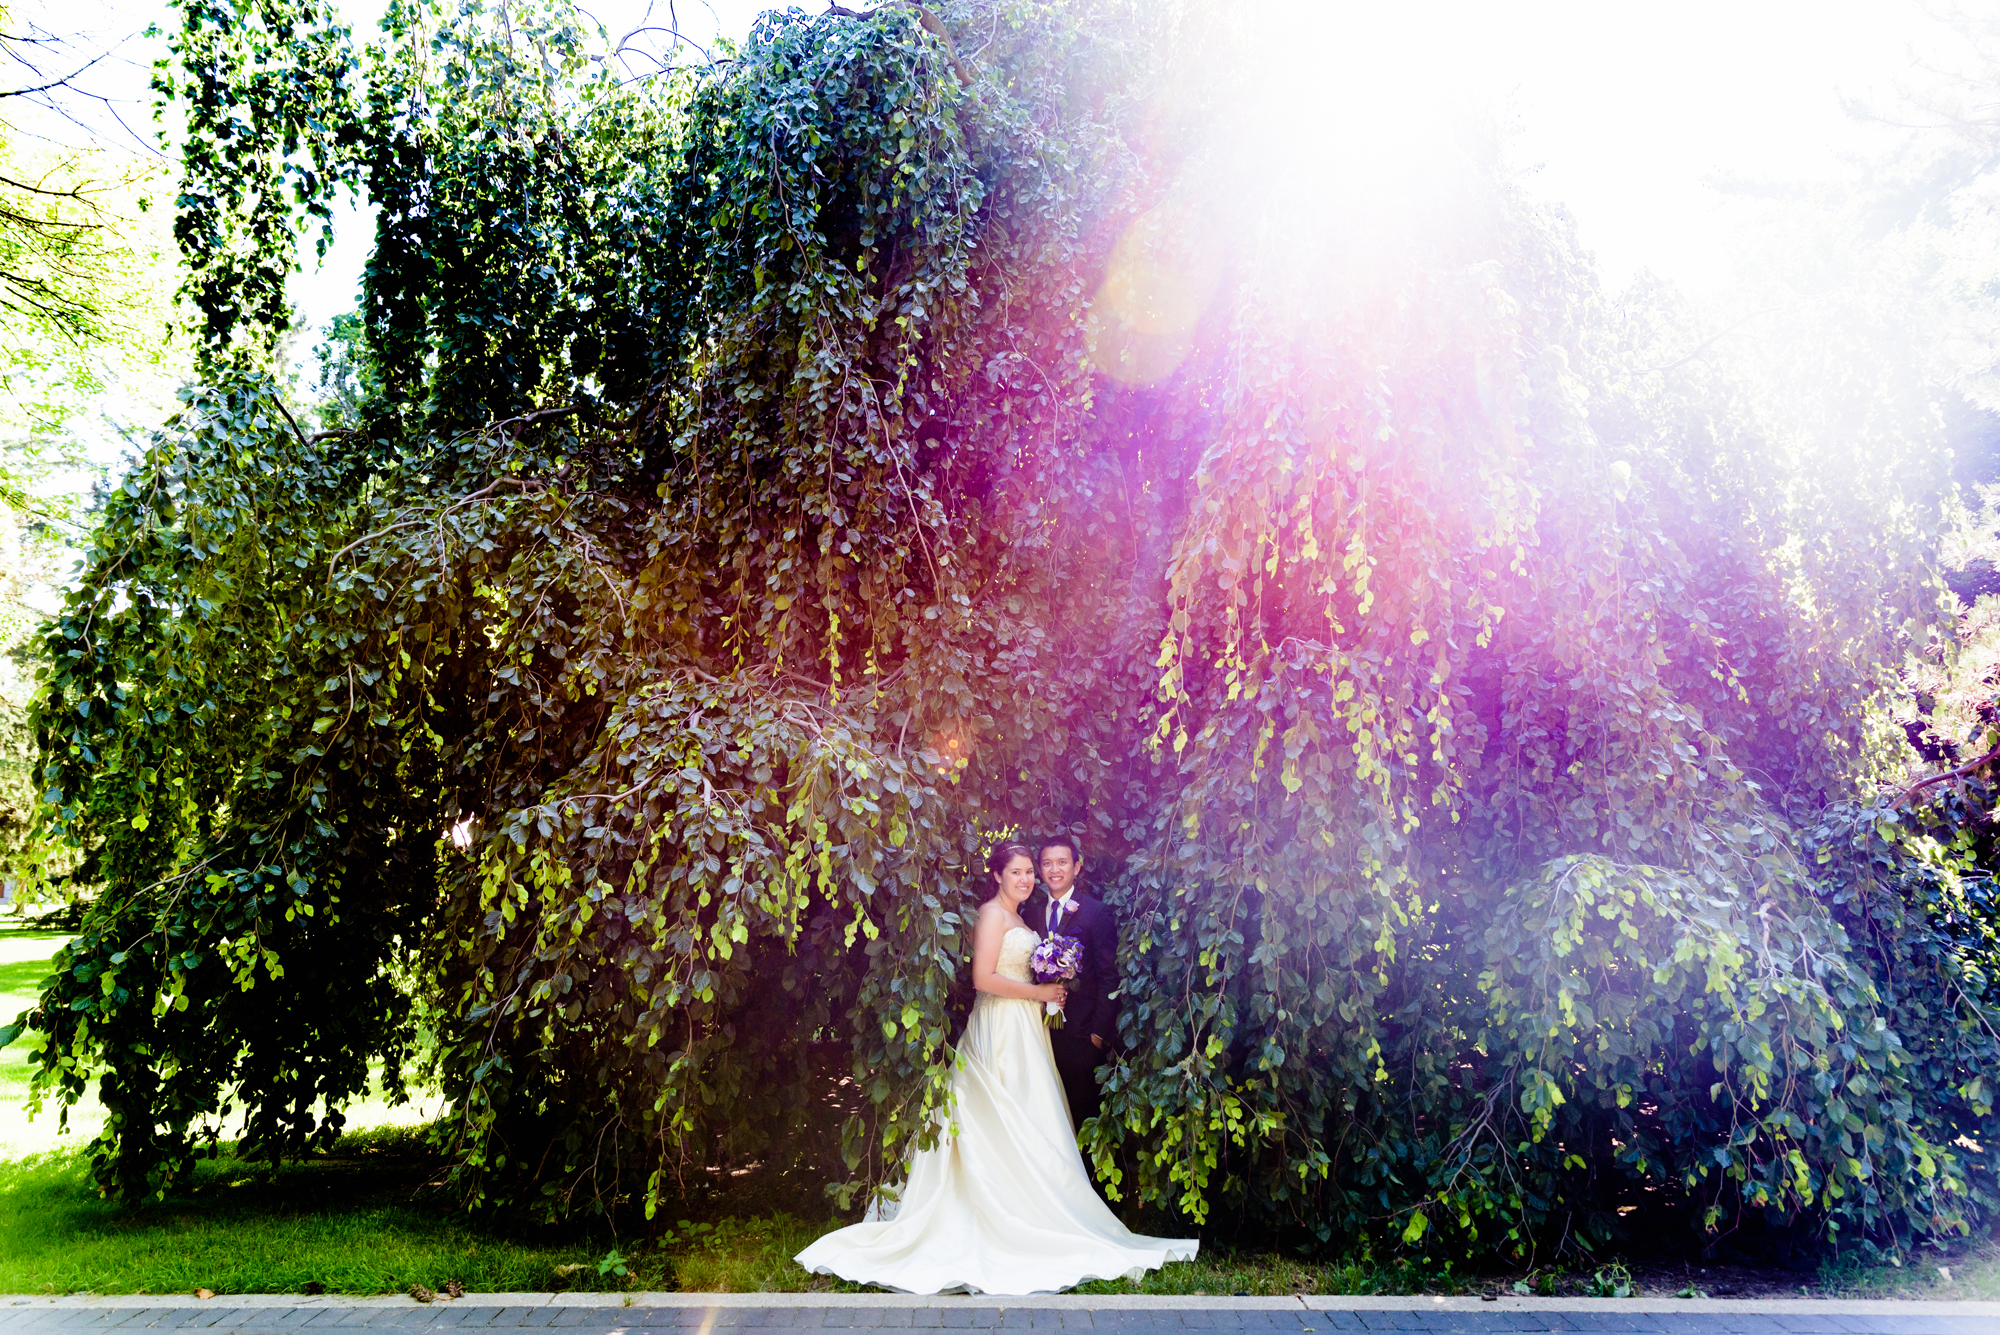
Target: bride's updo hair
[{"x": 997, "y": 861}]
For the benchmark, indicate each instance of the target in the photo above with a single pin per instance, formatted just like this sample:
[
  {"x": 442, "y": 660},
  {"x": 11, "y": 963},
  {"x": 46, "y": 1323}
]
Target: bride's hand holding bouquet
[{"x": 1056, "y": 960}]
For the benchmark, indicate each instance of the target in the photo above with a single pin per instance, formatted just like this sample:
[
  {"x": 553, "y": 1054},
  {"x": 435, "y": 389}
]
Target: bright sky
[
  {"x": 1634, "y": 114},
  {"x": 1631, "y": 114}
]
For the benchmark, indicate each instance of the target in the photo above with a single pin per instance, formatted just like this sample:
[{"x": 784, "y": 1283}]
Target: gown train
[{"x": 1006, "y": 1205}]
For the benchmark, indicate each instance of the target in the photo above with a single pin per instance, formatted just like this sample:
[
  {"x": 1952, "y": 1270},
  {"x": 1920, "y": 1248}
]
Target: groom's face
[{"x": 1059, "y": 869}]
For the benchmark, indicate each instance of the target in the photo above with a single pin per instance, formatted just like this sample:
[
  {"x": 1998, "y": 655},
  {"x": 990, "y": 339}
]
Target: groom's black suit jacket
[{"x": 1090, "y": 1008}]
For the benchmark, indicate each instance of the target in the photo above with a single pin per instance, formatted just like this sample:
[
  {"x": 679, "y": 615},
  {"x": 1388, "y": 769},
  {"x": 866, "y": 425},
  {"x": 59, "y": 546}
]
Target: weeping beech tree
[{"x": 763, "y": 488}]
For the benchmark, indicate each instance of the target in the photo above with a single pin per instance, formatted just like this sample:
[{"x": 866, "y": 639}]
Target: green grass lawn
[
  {"x": 348, "y": 1223},
  {"x": 1973, "y": 1272},
  {"x": 369, "y": 1219},
  {"x": 363, "y": 1220},
  {"x": 24, "y": 963},
  {"x": 358, "y": 1221}
]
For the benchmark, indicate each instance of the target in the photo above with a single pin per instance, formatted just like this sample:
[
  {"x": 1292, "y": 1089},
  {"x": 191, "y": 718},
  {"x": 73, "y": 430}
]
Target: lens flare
[
  {"x": 1163, "y": 273},
  {"x": 1334, "y": 143}
]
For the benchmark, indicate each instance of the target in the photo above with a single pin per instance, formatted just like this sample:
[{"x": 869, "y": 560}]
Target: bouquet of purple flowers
[{"x": 1056, "y": 960}]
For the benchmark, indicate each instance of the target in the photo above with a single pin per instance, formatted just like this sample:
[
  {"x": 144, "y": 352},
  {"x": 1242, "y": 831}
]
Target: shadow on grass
[
  {"x": 358, "y": 1221},
  {"x": 365, "y": 1220},
  {"x": 24, "y": 978},
  {"x": 1970, "y": 1269},
  {"x": 26, "y": 961}
]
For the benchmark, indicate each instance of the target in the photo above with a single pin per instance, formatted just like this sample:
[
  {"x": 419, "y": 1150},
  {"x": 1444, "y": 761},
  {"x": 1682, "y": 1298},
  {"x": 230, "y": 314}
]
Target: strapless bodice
[{"x": 1015, "y": 949}]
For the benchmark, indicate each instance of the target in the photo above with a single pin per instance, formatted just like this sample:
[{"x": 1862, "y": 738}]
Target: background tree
[
  {"x": 773, "y": 484},
  {"x": 53, "y": 236},
  {"x": 78, "y": 283}
]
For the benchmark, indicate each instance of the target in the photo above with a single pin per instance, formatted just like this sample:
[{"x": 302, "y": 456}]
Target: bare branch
[
  {"x": 53, "y": 84},
  {"x": 1947, "y": 776}
]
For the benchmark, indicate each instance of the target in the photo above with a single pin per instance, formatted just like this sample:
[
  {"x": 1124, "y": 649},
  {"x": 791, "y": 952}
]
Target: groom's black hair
[{"x": 1058, "y": 841}]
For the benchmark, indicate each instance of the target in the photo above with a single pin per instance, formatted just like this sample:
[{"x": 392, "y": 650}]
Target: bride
[{"x": 1005, "y": 1205}]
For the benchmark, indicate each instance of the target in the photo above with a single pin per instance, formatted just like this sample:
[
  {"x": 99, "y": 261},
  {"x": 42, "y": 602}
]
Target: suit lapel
[
  {"x": 1081, "y": 907},
  {"x": 1084, "y": 904},
  {"x": 1069, "y": 919}
]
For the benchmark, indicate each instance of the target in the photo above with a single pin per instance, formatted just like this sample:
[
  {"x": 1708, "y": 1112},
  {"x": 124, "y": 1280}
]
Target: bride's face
[{"x": 1016, "y": 880}]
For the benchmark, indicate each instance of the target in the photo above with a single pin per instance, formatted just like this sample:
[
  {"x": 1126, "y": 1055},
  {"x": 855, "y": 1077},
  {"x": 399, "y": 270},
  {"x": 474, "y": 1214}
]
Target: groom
[{"x": 1090, "y": 1020}]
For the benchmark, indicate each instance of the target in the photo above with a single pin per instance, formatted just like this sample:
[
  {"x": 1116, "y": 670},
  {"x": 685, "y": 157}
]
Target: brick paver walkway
[{"x": 693, "y": 1315}]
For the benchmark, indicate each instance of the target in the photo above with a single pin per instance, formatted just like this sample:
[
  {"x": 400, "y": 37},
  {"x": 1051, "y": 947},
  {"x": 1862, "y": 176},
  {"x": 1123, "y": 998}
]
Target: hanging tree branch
[{"x": 932, "y": 24}]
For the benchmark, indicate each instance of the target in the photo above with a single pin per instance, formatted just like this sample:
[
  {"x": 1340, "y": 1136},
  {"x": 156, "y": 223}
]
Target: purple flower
[{"x": 1056, "y": 960}]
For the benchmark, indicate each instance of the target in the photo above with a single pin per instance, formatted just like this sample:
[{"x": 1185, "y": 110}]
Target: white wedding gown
[{"x": 1005, "y": 1206}]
